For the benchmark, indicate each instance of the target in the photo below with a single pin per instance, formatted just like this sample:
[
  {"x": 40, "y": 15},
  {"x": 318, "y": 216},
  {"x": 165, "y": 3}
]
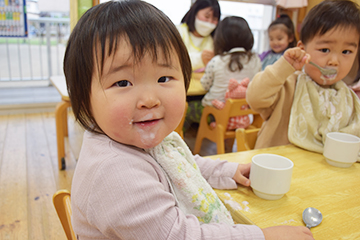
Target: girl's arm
[
  {"x": 131, "y": 201},
  {"x": 221, "y": 174}
]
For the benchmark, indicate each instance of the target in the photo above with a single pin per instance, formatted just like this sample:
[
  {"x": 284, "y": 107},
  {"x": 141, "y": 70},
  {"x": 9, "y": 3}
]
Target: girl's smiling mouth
[{"x": 147, "y": 123}]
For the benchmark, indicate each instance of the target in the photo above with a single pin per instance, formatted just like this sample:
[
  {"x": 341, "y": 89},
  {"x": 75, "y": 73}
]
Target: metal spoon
[
  {"x": 324, "y": 71},
  {"x": 312, "y": 217}
]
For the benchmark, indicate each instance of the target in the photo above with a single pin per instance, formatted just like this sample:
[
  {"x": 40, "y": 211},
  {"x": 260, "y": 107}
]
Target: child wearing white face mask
[{"x": 196, "y": 30}]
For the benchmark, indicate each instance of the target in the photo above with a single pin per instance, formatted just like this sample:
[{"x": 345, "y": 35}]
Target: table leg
[
  {"x": 65, "y": 122},
  {"x": 61, "y": 126}
]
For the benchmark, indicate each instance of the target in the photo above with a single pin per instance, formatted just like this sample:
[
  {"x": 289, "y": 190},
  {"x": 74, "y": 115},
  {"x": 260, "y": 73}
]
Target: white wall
[
  {"x": 54, "y": 6},
  {"x": 258, "y": 16}
]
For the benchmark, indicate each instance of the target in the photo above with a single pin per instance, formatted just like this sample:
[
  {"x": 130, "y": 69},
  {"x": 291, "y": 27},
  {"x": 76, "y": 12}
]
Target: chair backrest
[
  {"x": 179, "y": 128},
  {"x": 62, "y": 204},
  {"x": 232, "y": 109},
  {"x": 218, "y": 134}
]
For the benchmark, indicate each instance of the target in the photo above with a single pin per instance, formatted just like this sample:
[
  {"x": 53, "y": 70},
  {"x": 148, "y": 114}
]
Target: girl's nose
[{"x": 148, "y": 99}]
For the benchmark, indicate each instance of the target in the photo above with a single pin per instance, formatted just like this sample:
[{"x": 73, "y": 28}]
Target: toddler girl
[
  {"x": 135, "y": 178},
  {"x": 282, "y": 36},
  {"x": 233, "y": 42}
]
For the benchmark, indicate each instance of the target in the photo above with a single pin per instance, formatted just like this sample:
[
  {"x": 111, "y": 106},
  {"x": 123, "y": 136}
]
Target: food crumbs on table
[{"x": 235, "y": 205}]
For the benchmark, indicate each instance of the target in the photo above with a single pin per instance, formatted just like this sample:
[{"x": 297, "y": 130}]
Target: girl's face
[
  {"x": 207, "y": 15},
  {"x": 139, "y": 104},
  {"x": 336, "y": 49},
  {"x": 279, "y": 39}
]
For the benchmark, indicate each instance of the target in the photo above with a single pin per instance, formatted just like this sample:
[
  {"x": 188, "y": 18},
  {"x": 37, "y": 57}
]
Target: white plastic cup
[
  {"x": 270, "y": 175},
  {"x": 341, "y": 149}
]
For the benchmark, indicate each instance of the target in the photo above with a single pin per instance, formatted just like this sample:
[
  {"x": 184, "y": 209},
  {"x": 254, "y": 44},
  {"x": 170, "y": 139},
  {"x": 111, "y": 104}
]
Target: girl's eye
[
  {"x": 324, "y": 50},
  {"x": 164, "y": 79},
  {"x": 123, "y": 83},
  {"x": 347, "y": 52}
]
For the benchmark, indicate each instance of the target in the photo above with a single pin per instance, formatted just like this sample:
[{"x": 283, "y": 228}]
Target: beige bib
[{"x": 317, "y": 111}]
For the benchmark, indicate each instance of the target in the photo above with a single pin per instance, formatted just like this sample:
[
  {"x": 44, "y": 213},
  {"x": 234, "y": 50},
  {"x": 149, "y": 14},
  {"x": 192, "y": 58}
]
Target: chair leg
[
  {"x": 198, "y": 142},
  {"x": 220, "y": 141},
  {"x": 241, "y": 140}
]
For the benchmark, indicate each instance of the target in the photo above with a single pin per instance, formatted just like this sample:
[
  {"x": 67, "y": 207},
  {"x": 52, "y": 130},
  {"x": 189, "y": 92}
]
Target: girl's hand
[
  {"x": 287, "y": 233},
  {"x": 242, "y": 174},
  {"x": 297, "y": 57},
  {"x": 206, "y": 56}
]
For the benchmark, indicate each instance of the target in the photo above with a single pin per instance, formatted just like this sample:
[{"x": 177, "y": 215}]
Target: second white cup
[
  {"x": 270, "y": 175},
  {"x": 341, "y": 149}
]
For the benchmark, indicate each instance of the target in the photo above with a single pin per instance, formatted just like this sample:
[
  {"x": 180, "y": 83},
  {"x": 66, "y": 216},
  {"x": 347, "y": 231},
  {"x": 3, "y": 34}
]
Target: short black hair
[
  {"x": 327, "y": 15},
  {"x": 190, "y": 16},
  {"x": 96, "y": 36}
]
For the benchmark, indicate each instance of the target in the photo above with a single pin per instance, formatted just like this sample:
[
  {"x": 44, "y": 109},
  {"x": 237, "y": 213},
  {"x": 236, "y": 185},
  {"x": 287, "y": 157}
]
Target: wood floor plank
[
  {"x": 3, "y": 126},
  {"x": 41, "y": 183},
  {"x": 13, "y": 181}
]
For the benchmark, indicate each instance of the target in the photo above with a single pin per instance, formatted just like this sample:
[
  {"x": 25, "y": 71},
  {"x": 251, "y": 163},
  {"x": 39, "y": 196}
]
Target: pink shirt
[{"x": 121, "y": 192}]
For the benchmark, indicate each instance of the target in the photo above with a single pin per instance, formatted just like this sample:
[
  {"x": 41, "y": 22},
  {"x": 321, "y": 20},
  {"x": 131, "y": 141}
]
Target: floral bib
[{"x": 193, "y": 193}]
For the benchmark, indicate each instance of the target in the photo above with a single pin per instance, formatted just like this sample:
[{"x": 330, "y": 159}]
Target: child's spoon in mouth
[{"x": 325, "y": 71}]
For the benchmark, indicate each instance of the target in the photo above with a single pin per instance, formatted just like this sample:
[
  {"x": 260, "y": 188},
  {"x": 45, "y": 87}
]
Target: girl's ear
[{"x": 301, "y": 45}]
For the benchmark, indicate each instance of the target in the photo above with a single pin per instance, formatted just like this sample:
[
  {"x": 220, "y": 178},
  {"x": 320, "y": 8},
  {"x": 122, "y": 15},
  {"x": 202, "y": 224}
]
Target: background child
[
  {"x": 134, "y": 178},
  {"x": 301, "y": 107},
  {"x": 197, "y": 29},
  {"x": 281, "y": 34},
  {"x": 233, "y": 42}
]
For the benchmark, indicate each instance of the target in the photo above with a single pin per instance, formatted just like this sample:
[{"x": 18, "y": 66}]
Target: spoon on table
[
  {"x": 324, "y": 71},
  {"x": 312, "y": 217}
]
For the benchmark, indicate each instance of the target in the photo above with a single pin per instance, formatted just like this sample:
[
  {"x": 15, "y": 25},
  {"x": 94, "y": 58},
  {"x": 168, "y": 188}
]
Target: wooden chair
[
  {"x": 179, "y": 128},
  {"x": 219, "y": 133},
  {"x": 62, "y": 204},
  {"x": 246, "y": 138}
]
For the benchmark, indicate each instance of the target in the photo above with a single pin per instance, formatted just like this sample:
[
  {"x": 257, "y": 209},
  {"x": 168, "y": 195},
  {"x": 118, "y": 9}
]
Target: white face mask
[{"x": 204, "y": 28}]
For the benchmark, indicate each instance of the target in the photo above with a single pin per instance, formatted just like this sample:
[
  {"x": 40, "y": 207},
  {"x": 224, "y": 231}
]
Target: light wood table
[
  {"x": 334, "y": 191},
  {"x": 195, "y": 88}
]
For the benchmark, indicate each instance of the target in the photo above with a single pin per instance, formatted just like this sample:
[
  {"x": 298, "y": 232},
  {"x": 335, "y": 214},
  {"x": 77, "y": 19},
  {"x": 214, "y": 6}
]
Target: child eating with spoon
[{"x": 300, "y": 107}]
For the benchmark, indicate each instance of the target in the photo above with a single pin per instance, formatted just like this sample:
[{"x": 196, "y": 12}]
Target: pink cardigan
[{"x": 120, "y": 192}]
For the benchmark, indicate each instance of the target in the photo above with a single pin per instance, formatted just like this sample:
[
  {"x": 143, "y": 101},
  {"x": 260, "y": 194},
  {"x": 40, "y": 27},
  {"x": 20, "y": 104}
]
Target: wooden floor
[{"x": 29, "y": 174}]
